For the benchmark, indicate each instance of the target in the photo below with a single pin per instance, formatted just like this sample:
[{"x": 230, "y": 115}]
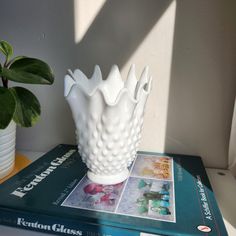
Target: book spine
[{"x": 56, "y": 225}]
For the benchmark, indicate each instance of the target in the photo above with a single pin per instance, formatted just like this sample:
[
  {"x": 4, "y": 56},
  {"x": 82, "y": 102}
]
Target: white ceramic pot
[
  {"x": 7, "y": 149},
  {"x": 109, "y": 116}
]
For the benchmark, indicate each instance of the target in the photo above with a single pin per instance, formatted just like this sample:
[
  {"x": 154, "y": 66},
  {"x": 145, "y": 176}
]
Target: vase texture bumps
[{"x": 108, "y": 115}]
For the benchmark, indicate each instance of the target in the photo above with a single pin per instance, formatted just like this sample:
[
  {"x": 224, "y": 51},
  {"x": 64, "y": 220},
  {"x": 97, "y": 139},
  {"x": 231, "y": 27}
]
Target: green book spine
[{"x": 59, "y": 226}]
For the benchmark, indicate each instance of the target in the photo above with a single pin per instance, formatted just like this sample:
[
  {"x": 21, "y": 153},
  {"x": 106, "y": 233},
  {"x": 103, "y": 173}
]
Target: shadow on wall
[
  {"x": 202, "y": 83},
  {"x": 117, "y": 31}
]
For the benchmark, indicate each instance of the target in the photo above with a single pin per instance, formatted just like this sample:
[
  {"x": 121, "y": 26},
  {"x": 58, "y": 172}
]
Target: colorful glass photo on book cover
[
  {"x": 92, "y": 196},
  {"x": 157, "y": 167},
  {"x": 148, "y": 198},
  {"x": 148, "y": 192}
]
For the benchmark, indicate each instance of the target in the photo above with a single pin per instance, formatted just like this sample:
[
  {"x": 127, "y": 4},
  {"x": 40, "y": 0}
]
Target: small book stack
[{"x": 166, "y": 194}]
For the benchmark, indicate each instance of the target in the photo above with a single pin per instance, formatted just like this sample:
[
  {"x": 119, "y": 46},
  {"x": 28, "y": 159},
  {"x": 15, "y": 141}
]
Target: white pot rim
[
  {"x": 11, "y": 126},
  {"x": 71, "y": 83},
  {"x": 122, "y": 93}
]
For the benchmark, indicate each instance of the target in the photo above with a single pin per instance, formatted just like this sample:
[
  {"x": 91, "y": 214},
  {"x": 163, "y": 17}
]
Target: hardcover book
[{"x": 166, "y": 194}]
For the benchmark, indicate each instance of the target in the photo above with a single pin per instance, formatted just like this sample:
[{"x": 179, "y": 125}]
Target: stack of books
[{"x": 166, "y": 194}]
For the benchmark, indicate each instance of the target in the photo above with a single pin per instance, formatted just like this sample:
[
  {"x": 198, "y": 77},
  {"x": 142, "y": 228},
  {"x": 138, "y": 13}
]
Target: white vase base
[{"x": 108, "y": 179}]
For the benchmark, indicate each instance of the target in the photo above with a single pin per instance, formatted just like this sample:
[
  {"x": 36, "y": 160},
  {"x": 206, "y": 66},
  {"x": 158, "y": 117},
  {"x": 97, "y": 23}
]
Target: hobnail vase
[{"x": 108, "y": 115}]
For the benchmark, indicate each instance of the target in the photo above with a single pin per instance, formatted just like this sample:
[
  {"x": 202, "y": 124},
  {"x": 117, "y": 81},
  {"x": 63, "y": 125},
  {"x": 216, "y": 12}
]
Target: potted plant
[{"x": 18, "y": 106}]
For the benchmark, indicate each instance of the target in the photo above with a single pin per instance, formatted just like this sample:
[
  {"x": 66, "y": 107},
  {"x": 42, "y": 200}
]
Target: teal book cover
[{"x": 166, "y": 194}]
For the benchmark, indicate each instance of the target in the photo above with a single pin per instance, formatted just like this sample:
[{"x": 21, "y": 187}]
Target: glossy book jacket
[{"x": 165, "y": 194}]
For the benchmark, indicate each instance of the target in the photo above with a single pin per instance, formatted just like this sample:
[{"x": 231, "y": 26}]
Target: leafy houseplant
[{"x": 17, "y": 103}]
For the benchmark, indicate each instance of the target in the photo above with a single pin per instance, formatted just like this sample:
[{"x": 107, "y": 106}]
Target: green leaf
[
  {"x": 7, "y": 107},
  {"x": 30, "y": 71},
  {"x": 6, "y": 49},
  {"x": 27, "y": 107},
  {"x": 16, "y": 58}
]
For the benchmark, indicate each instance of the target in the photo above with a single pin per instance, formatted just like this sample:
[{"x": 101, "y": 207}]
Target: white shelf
[{"x": 224, "y": 187}]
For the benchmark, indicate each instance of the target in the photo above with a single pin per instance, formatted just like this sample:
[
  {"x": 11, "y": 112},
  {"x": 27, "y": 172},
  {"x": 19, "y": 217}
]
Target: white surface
[
  {"x": 189, "y": 45},
  {"x": 224, "y": 187},
  {"x": 108, "y": 116}
]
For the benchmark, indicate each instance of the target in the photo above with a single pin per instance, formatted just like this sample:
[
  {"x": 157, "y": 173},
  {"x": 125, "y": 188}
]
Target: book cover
[{"x": 166, "y": 194}]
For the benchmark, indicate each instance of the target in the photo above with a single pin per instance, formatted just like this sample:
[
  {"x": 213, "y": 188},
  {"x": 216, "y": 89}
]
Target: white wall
[
  {"x": 203, "y": 80},
  {"x": 189, "y": 46}
]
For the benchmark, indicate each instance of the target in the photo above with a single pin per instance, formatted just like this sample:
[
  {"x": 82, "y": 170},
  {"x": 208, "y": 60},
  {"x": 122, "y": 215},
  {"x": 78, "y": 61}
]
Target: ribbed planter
[
  {"x": 109, "y": 116},
  {"x": 7, "y": 149}
]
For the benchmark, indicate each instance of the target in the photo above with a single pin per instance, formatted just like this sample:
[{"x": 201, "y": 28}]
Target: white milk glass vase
[
  {"x": 7, "y": 149},
  {"x": 108, "y": 115}
]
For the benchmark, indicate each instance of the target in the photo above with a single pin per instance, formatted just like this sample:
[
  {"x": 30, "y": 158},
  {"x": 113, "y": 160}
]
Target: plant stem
[{"x": 5, "y": 82}]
